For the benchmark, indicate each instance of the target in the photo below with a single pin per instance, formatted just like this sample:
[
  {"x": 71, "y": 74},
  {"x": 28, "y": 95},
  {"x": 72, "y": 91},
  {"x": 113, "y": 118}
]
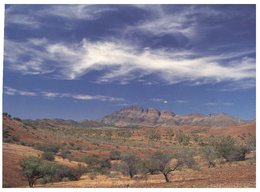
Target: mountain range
[{"x": 136, "y": 116}]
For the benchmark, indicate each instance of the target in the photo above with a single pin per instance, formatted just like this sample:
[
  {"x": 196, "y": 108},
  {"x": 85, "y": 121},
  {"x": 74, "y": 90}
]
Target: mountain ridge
[{"x": 152, "y": 117}]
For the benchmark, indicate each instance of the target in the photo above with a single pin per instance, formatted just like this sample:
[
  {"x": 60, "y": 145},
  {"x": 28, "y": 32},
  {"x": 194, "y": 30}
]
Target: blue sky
[{"x": 86, "y": 61}]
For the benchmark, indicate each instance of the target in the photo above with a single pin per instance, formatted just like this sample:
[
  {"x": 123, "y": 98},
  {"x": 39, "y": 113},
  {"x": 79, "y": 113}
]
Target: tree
[
  {"x": 210, "y": 154},
  {"x": 131, "y": 164},
  {"x": 33, "y": 169},
  {"x": 161, "y": 162},
  {"x": 97, "y": 164}
]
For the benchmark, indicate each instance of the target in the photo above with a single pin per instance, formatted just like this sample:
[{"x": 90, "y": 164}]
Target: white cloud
[
  {"x": 12, "y": 91},
  {"x": 123, "y": 62},
  {"x": 46, "y": 94}
]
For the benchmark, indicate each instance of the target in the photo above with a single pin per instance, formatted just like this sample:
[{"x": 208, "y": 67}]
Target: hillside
[{"x": 23, "y": 138}]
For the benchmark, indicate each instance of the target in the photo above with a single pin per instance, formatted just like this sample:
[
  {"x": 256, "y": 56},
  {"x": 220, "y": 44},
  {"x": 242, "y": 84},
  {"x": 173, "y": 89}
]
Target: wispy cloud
[
  {"x": 160, "y": 100},
  {"x": 24, "y": 16},
  {"x": 122, "y": 62},
  {"x": 214, "y": 104},
  {"x": 182, "y": 101},
  {"x": 86, "y": 12},
  {"x": 12, "y": 91},
  {"x": 51, "y": 95}
]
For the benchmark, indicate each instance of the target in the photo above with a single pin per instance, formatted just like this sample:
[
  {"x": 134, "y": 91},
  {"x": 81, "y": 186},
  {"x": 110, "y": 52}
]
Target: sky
[{"x": 86, "y": 61}]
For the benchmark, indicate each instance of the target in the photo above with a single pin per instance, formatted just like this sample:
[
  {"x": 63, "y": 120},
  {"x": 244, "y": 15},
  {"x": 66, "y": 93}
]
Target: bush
[
  {"x": 228, "y": 148},
  {"x": 35, "y": 168},
  {"x": 65, "y": 153},
  {"x": 115, "y": 155},
  {"x": 48, "y": 156},
  {"x": 54, "y": 148},
  {"x": 182, "y": 138},
  {"x": 97, "y": 164},
  {"x": 210, "y": 154},
  {"x": 251, "y": 143}
]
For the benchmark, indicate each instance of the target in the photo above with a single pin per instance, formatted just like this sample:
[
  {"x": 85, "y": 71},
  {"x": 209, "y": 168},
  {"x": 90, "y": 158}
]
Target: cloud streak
[
  {"x": 51, "y": 95},
  {"x": 124, "y": 62}
]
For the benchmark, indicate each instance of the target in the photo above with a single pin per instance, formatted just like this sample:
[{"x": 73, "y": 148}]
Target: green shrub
[
  {"x": 48, "y": 156},
  {"x": 97, "y": 164},
  {"x": 115, "y": 155},
  {"x": 210, "y": 155},
  {"x": 182, "y": 138},
  {"x": 228, "y": 148}
]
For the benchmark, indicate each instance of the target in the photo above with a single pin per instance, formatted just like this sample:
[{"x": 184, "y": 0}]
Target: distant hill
[{"x": 135, "y": 116}]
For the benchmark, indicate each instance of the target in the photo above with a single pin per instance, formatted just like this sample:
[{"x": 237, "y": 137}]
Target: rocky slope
[{"x": 135, "y": 116}]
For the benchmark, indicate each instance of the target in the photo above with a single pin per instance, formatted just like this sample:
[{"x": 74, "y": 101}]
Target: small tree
[
  {"x": 161, "y": 162},
  {"x": 33, "y": 169},
  {"x": 131, "y": 164},
  {"x": 97, "y": 164},
  {"x": 210, "y": 155}
]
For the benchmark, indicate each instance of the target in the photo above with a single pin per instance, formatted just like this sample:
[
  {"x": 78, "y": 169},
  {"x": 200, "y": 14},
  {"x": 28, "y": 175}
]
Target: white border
[{"x": 2, "y": 5}]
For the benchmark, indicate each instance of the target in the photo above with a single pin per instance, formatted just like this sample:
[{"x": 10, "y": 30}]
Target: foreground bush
[
  {"x": 228, "y": 148},
  {"x": 34, "y": 168}
]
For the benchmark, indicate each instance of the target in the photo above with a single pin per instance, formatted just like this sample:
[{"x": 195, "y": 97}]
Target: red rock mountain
[{"x": 135, "y": 116}]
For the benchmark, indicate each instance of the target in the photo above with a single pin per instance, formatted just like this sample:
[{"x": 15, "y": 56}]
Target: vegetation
[
  {"x": 65, "y": 153},
  {"x": 131, "y": 164},
  {"x": 48, "y": 155},
  {"x": 97, "y": 164},
  {"x": 35, "y": 168},
  {"x": 115, "y": 155},
  {"x": 210, "y": 155},
  {"x": 53, "y": 148},
  {"x": 228, "y": 148},
  {"x": 153, "y": 135},
  {"x": 182, "y": 138},
  {"x": 161, "y": 162}
]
